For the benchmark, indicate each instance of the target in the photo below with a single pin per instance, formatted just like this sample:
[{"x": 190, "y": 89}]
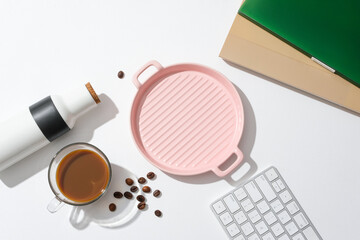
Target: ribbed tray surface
[{"x": 187, "y": 120}]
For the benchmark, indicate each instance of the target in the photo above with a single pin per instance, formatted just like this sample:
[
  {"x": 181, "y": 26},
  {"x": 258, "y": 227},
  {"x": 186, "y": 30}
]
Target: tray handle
[
  {"x": 239, "y": 158},
  {"x": 135, "y": 79}
]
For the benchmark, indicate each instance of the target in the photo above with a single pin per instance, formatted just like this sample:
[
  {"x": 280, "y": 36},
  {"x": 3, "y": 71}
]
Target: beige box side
[{"x": 252, "y": 47}]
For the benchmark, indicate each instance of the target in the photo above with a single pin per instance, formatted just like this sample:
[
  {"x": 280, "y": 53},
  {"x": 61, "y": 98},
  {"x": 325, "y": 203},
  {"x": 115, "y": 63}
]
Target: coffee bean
[
  {"x": 142, "y": 180},
  {"x": 134, "y": 189},
  {"x": 118, "y": 195},
  {"x": 146, "y": 189},
  {"x": 112, "y": 207},
  {"x": 156, "y": 193},
  {"x": 158, "y": 213},
  {"x": 129, "y": 181},
  {"x": 141, "y": 205},
  {"x": 128, "y": 195},
  {"x": 150, "y": 175},
  {"x": 141, "y": 198},
  {"x": 121, "y": 74}
]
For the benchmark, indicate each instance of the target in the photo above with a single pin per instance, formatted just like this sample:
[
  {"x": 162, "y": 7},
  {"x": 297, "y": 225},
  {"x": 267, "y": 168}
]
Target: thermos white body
[{"x": 44, "y": 121}]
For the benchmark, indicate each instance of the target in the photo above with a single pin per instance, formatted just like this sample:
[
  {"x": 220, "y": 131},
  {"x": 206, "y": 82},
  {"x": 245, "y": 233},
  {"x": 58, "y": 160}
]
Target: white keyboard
[{"x": 263, "y": 208}]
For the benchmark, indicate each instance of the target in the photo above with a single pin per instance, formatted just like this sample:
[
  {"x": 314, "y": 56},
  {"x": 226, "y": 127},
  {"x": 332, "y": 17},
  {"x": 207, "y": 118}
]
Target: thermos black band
[{"x": 49, "y": 120}]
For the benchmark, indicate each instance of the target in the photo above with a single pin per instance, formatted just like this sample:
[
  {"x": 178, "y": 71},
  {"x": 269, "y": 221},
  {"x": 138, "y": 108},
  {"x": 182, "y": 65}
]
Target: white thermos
[{"x": 42, "y": 122}]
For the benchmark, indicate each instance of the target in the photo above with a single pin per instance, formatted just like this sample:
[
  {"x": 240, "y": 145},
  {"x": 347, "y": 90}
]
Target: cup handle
[
  {"x": 54, "y": 205},
  {"x": 239, "y": 158}
]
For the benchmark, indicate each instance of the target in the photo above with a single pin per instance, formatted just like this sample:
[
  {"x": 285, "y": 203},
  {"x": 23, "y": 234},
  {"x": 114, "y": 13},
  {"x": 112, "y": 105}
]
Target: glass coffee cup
[{"x": 79, "y": 174}]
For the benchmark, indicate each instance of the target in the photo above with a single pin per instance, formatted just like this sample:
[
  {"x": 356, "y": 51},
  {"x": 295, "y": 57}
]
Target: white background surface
[{"x": 50, "y": 46}]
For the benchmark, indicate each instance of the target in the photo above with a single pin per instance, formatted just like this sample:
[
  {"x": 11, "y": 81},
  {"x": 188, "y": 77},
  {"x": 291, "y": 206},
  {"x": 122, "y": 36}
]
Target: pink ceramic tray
[{"x": 187, "y": 119}]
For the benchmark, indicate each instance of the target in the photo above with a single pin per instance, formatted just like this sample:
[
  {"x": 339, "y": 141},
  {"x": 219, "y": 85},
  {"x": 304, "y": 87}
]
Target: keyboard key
[
  {"x": 280, "y": 184},
  {"x": 254, "y": 216},
  {"x": 285, "y": 196},
  {"x": 268, "y": 236},
  {"x": 301, "y": 220},
  {"x": 247, "y": 205},
  {"x": 263, "y": 207},
  {"x": 240, "y": 237},
  {"x": 254, "y": 193},
  {"x": 284, "y": 217},
  {"x": 277, "y": 229},
  {"x": 276, "y": 187},
  {"x": 292, "y": 207},
  {"x": 270, "y": 218},
  {"x": 226, "y": 218},
  {"x": 261, "y": 227},
  {"x": 271, "y": 174},
  {"x": 231, "y": 203},
  {"x": 254, "y": 237},
  {"x": 240, "y": 217},
  {"x": 310, "y": 234},
  {"x": 247, "y": 228},
  {"x": 284, "y": 237},
  {"x": 265, "y": 188},
  {"x": 298, "y": 236},
  {"x": 219, "y": 207},
  {"x": 240, "y": 194},
  {"x": 276, "y": 206},
  {"x": 233, "y": 229},
  {"x": 291, "y": 228}
]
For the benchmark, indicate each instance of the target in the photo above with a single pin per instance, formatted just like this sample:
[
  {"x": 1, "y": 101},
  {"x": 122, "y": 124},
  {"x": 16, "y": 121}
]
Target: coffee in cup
[{"x": 79, "y": 174}]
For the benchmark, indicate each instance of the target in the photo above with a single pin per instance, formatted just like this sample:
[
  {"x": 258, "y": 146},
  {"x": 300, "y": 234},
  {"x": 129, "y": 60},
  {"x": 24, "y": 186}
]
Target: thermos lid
[{"x": 93, "y": 93}]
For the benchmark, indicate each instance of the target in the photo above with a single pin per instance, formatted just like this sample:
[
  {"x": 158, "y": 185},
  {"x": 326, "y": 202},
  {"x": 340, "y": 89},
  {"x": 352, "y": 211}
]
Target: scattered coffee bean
[
  {"x": 129, "y": 181},
  {"x": 146, "y": 189},
  {"x": 150, "y": 175},
  {"x": 142, "y": 180},
  {"x": 156, "y": 193},
  {"x": 158, "y": 213},
  {"x": 141, "y": 205},
  {"x": 134, "y": 189},
  {"x": 112, "y": 207},
  {"x": 118, "y": 195},
  {"x": 141, "y": 198},
  {"x": 121, "y": 74},
  {"x": 128, "y": 195}
]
